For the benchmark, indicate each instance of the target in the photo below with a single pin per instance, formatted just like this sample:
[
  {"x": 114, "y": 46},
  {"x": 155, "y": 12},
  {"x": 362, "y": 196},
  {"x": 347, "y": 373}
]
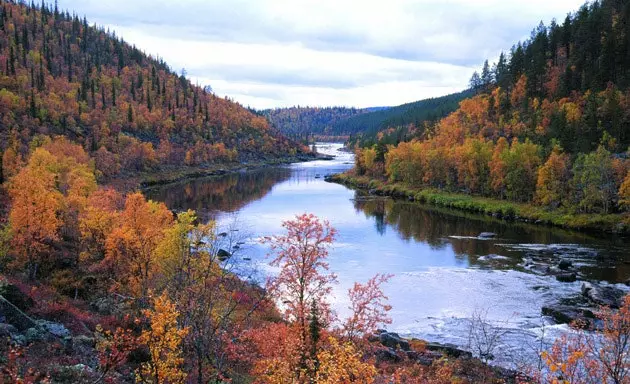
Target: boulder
[
  {"x": 223, "y": 255},
  {"x": 448, "y": 349},
  {"x": 566, "y": 314},
  {"x": 387, "y": 355},
  {"x": 392, "y": 340},
  {"x": 487, "y": 235},
  {"x": 14, "y": 316},
  {"x": 603, "y": 295},
  {"x": 7, "y": 331},
  {"x": 16, "y": 297},
  {"x": 565, "y": 264},
  {"x": 569, "y": 277},
  {"x": 53, "y": 328}
]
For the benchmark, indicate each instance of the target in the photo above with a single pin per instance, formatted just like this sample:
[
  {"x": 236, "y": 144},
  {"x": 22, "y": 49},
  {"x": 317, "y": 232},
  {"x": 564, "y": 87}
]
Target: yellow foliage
[
  {"x": 342, "y": 364},
  {"x": 164, "y": 340}
]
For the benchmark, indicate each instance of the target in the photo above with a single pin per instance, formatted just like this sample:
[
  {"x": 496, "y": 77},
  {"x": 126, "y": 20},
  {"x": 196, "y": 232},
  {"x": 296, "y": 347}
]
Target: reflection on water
[
  {"x": 228, "y": 193},
  {"x": 444, "y": 228}
]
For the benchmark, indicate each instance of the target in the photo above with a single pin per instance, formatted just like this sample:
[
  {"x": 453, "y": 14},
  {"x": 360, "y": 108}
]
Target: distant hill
[
  {"x": 61, "y": 76},
  {"x": 361, "y": 125},
  {"x": 301, "y": 122},
  {"x": 404, "y": 119}
]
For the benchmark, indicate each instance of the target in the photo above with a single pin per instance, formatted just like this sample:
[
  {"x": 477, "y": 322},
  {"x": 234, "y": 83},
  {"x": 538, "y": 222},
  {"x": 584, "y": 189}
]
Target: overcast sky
[{"x": 274, "y": 53}]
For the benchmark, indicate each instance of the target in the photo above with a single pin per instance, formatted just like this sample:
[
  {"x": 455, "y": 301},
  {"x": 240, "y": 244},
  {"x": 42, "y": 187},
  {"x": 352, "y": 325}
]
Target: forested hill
[
  {"x": 550, "y": 124},
  {"x": 300, "y": 122},
  {"x": 399, "y": 123},
  {"x": 363, "y": 125},
  {"x": 61, "y": 76}
]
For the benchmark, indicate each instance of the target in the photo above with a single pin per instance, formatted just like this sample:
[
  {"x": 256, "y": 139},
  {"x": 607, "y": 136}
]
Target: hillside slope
[
  {"x": 401, "y": 122},
  {"x": 60, "y": 76},
  {"x": 550, "y": 124}
]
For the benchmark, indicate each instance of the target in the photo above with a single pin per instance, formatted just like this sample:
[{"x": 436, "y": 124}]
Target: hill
[
  {"x": 61, "y": 76},
  {"x": 301, "y": 122},
  {"x": 399, "y": 123},
  {"x": 549, "y": 125}
]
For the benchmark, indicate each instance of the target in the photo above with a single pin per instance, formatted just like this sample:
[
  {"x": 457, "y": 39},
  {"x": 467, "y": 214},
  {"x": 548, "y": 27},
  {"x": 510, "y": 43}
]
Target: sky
[{"x": 280, "y": 53}]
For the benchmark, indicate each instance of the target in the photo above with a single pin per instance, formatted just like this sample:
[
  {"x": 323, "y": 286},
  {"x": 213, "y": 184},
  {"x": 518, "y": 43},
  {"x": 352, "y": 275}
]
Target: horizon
[{"x": 332, "y": 56}]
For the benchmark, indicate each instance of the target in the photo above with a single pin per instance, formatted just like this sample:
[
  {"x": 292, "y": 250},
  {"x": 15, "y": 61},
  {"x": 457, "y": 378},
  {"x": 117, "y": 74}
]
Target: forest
[
  {"x": 130, "y": 111},
  {"x": 300, "y": 123},
  {"x": 548, "y": 125}
]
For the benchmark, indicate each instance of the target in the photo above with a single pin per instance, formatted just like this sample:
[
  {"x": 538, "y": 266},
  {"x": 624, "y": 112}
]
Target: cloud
[{"x": 334, "y": 49}]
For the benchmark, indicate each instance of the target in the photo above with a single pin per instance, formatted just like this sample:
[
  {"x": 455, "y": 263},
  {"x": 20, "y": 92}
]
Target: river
[{"x": 443, "y": 272}]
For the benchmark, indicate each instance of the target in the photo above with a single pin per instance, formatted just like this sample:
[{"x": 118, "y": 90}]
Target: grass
[{"x": 507, "y": 210}]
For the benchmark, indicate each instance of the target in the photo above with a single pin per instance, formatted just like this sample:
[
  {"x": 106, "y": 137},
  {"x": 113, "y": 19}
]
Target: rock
[
  {"x": 14, "y": 316},
  {"x": 448, "y": 349},
  {"x": 104, "y": 306},
  {"x": 222, "y": 234},
  {"x": 566, "y": 314},
  {"x": 603, "y": 295},
  {"x": 16, "y": 297},
  {"x": 7, "y": 331},
  {"x": 35, "y": 334},
  {"x": 223, "y": 255},
  {"x": 424, "y": 360},
  {"x": 387, "y": 355},
  {"x": 565, "y": 264},
  {"x": 566, "y": 277},
  {"x": 373, "y": 338},
  {"x": 56, "y": 329},
  {"x": 487, "y": 235},
  {"x": 392, "y": 340}
]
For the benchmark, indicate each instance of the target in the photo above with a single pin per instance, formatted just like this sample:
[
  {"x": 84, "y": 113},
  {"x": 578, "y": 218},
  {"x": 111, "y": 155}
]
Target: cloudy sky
[{"x": 274, "y": 53}]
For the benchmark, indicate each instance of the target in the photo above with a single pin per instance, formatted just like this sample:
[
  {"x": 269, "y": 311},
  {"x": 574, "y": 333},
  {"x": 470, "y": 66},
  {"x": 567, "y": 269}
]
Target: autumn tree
[
  {"x": 593, "y": 357},
  {"x": 343, "y": 364},
  {"x": 552, "y": 186},
  {"x": 34, "y": 215},
  {"x": 302, "y": 255},
  {"x": 130, "y": 247},
  {"x": 594, "y": 180},
  {"x": 624, "y": 193},
  {"x": 164, "y": 341},
  {"x": 368, "y": 306}
]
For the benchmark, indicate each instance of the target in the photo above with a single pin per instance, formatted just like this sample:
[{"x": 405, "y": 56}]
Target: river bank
[
  {"x": 506, "y": 210},
  {"x": 179, "y": 173}
]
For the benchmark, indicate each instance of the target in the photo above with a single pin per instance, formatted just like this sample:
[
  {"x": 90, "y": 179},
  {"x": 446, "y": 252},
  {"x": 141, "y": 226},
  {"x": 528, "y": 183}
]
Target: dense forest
[
  {"x": 61, "y": 76},
  {"x": 550, "y": 122},
  {"x": 303, "y": 122},
  {"x": 400, "y": 123}
]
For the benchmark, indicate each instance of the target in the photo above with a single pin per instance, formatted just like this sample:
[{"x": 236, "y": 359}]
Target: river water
[{"x": 443, "y": 272}]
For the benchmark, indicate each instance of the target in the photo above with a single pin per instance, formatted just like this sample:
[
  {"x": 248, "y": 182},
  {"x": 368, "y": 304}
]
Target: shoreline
[
  {"x": 176, "y": 174},
  {"x": 500, "y": 209}
]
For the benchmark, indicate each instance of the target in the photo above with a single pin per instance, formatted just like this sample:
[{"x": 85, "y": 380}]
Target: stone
[
  {"x": 7, "y": 331},
  {"x": 566, "y": 314},
  {"x": 53, "y": 328},
  {"x": 603, "y": 295},
  {"x": 16, "y": 297},
  {"x": 448, "y": 349},
  {"x": 223, "y": 255},
  {"x": 392, "y": 340},
  {"x": 565, "y": 264},
  {"x": 387, "y": 355},
  {"x": 566, "y": 277}
]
